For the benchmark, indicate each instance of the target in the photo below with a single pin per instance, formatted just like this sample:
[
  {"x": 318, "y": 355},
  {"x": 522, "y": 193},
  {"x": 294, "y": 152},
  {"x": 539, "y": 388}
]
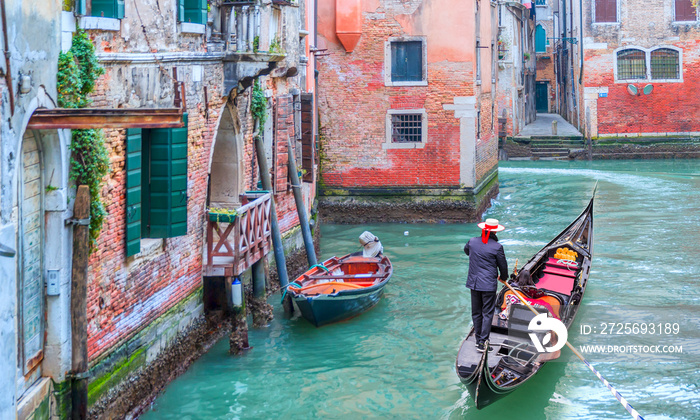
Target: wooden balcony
[{"x": 234, "y": 247}]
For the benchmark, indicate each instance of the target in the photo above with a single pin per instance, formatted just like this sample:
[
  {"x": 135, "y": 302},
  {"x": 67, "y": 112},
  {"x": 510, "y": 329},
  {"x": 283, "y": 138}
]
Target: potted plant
[
  {"x": 526, "y": 56},
  {"x": 222, "y": 215}
]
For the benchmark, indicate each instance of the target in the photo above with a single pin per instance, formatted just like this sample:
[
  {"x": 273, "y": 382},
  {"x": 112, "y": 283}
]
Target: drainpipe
[
  {"x": 301, "y": 208},
  {"x": 580, "y": 16},
  {"x": 280, "y": 260},
  {"x": 8, "y": 72}
]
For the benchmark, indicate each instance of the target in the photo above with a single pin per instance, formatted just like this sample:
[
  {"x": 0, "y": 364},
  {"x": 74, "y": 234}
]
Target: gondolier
[{"x": 486, "y": 259}]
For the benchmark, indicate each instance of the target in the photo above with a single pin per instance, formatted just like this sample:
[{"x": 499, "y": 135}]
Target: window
[
  {"x": 540, "y": 39},
  {"x": 405, "y": 61},
  {"x": 478, "y": 61},
  {"x": 665, "y": 64},
  {"x": 606, "y": 10},
  {"x": 406, "y": 128},
  {"x": 540, "y": 2},
  {"x": 156, "y": 184},
  {"x": 103, "y": 8},
  {"x": 631, "y": 64},
  {"x": 685, "y": 12},
  {"x": 661, "y": 63},
  {"x": 192, "y": 11}
]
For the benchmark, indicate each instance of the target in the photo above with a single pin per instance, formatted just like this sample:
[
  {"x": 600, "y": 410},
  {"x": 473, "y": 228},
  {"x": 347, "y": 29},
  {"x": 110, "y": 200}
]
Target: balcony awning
[{"x": 58, "y": 118}]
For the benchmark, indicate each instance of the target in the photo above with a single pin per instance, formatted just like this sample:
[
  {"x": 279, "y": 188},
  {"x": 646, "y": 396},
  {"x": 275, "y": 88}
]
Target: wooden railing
[{"x": 251, "y": 241}]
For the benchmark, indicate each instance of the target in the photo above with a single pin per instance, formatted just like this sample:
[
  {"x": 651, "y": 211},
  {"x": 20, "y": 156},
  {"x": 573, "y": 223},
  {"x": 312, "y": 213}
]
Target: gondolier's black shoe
[{"x": 481, "y": 347}]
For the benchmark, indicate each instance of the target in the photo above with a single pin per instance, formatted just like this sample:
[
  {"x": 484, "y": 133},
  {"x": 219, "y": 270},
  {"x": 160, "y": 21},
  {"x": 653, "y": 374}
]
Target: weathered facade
[
  {"x": 516, "y": 67},
  {"x": 407, "y": 109},
  {"x": 145, "y": 283},
  {"x": 34, "y": 193},
  {"x": 545, "y": 45},
  {"x": 637, "y": 59}
]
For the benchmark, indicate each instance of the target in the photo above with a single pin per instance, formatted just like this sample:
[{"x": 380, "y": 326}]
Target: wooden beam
[
  {"x": 58, "y": 118},
  {"x": 78, "y": 303}
]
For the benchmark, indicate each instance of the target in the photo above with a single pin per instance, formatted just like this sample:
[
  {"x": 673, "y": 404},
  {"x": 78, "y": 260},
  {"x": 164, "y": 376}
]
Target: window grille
[
  {"x": 540, "y": 2},
  {"x": 406, "y": 128},
  {"x": 664, "y": 64},
  {"x": 631, "y": 64}
]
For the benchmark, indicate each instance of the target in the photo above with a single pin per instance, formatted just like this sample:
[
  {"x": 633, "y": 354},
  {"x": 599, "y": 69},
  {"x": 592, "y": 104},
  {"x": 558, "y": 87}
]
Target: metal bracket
[
  {"x": 78, "y": 222},
  {"x": 80, "y": 375}
]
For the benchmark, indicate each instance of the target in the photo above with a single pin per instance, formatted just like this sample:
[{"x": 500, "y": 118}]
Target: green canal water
[{"x": 398, "y": 359}]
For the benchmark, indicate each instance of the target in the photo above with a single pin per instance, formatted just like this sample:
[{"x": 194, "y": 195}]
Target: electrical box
[{"x": 52, "y": 288}]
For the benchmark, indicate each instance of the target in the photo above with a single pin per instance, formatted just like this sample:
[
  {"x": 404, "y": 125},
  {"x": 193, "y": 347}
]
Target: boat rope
[
  {"x": 284, "y": 294},
  {"x": 321, "y": 266},
  {"x": 616, "y": 394}
]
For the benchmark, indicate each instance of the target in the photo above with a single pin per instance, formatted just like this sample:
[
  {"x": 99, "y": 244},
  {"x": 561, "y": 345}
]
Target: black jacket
[{"x": 485, "y": 260}]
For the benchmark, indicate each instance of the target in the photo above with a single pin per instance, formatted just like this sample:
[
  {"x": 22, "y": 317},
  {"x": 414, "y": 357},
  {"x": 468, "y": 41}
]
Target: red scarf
[{"x": 486, "y": 232}]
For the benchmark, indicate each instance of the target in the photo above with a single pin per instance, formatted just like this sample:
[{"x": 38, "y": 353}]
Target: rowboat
[
  {"x": 560, "y": 272},
  {"x": 340, "y": 288}
]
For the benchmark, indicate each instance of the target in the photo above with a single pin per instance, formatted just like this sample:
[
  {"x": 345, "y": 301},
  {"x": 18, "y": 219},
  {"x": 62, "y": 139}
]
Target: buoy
[
  {"x": 236, "y": 292},
  {"x": 405, "y": 233}
]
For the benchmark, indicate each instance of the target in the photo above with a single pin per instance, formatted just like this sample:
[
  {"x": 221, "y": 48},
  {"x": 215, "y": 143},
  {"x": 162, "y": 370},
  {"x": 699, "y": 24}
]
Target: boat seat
[
  {"x": 559, "y": 271},
  {"x": 555, "y": 283}
]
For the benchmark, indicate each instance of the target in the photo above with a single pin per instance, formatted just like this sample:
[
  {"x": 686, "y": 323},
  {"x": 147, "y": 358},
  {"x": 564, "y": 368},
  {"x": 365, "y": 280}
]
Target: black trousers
[{"x": 483, "y": 305}]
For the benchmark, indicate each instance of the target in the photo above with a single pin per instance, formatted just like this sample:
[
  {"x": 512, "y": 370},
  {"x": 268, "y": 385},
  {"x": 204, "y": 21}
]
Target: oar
[{"x": 620, "y": 398}]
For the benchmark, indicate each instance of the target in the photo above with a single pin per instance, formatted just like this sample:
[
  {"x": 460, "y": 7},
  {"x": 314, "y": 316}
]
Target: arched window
[
  {"x": 631, "y": 64},
  {"x": 665, "y": 64},
  {"x": 540, "y": 39}
]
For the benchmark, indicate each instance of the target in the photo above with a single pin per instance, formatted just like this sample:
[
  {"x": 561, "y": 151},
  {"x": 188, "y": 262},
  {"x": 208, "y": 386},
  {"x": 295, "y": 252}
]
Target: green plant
[
  {"x": 275, "y": 46},
  {"x": 526, "y": 56},
  {"x": 78, "y": 69},
  {"x": 50, "y": 188},
  {"x": 89, "y": 163},
  {"x": 258, "y": 105},
  {"x": 256, "y": 43},
  {"x": 222, "y": 213}
]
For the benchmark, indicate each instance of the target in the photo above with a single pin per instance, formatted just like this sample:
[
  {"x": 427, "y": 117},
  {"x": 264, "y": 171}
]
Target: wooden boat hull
[
  {"x": 324, "y": 298},
  {"x": 491, "y": 376},
  {"x": 327, "y": 309}
]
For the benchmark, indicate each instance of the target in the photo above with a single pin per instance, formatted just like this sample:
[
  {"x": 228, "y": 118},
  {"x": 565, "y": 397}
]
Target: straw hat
[
  {"x": 371, "y": 245},
  {"x": 492, "y": 225}
]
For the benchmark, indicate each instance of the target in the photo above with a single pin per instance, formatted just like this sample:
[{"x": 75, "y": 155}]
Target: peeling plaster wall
[{"x": 34, "y": 58}]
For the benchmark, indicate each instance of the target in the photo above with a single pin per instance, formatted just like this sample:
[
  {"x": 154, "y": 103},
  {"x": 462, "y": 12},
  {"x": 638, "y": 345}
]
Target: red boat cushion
[
  {"x": 560, "y": 271},
  {"x": 561, "y": 284}
]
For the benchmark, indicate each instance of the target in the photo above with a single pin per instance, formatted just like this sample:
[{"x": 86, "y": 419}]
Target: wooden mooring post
[
  {"x": 238, "y": 338},
  {"x": 78, "y": 302}
]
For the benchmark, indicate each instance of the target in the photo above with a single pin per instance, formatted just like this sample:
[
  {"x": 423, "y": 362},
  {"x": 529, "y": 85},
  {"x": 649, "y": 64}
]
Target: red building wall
[
  {"x": 354, "y": 99},
  {"x": 670, "y": 108}
]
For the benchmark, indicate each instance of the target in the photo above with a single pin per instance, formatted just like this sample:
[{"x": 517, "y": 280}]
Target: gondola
[
  {"x": 340, "y": 288},
  {"x": 560, "y": 272}
]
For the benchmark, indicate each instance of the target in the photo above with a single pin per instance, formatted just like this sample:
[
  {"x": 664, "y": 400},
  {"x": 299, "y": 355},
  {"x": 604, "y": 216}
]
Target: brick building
[
  {"x": 407, "y": 109},
  {"x": 638, "y": 63},
  {"x": 145, "y": 272},
  {"x": 516, "y": 66},
  {"x": 545, "y": 41}
]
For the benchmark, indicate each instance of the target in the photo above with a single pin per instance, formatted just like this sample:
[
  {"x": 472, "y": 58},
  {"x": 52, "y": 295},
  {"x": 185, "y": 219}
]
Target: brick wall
[{"x": 354, "y": 102}]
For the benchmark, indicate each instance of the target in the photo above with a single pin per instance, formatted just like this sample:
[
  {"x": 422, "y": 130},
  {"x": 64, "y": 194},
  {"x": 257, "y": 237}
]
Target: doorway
[{"x": 541, "y": 97}]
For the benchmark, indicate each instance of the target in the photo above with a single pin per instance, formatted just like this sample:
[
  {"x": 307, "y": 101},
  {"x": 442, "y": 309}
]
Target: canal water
[{"x": 398, "y": 359}]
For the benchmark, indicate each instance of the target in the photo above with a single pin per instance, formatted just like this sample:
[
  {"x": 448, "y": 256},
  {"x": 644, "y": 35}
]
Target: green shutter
[
  {"x": 133, "y": 191},
  {"x": 104, "y": 8},
  {"x": 540, "y": 39},
  {"x": 80, "y": 7},
  {"x": 196, "y": 11},
  {"x": 181, "y": 10},
  {"x": 168, "y": 186},
  {"x": 120, "y": 9}
]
